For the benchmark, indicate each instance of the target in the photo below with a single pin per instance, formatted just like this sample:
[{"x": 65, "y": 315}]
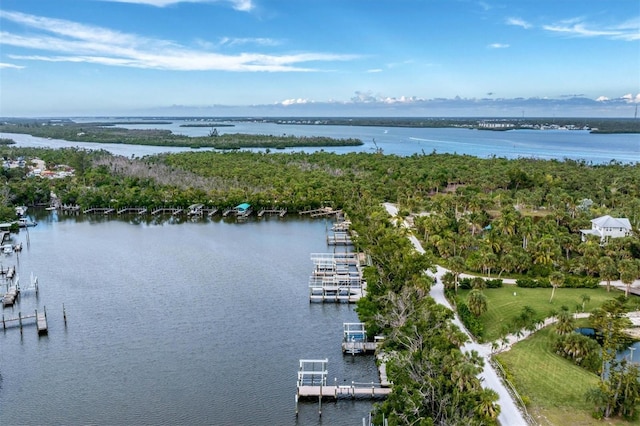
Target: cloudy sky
[{"x": 319, "y": 57}]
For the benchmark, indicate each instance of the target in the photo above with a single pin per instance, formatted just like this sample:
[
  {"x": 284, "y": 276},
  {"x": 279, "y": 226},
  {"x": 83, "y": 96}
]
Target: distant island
[{"x": 108, "y": 132}]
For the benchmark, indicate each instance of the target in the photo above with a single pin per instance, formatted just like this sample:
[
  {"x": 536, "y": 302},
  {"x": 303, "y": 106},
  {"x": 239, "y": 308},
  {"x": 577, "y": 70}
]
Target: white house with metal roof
[{"x": 606, "y": 227}]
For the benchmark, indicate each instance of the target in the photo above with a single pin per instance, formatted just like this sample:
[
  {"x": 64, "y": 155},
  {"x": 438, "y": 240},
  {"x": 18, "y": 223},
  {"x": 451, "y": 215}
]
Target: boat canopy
[{"x": 243, "y": 207}]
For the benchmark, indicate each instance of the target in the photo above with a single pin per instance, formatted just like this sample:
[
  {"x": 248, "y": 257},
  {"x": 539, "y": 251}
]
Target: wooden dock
[
  {"x": 312, "y": 384},
  {"x": 167, "y": 210},
  {"x": 339, "y": 238},
  {"x": 133, "y": 210},
  {"x": 273, "y": 211},
  {"x": 103, "y": 210},
  {"x": 322, "y": 211},
  {"x": 40, "y": 320},
  {"x": 11, "y": 296},
  {"x": 362, "y": 390},
  {"x": 336, "y": 277}
]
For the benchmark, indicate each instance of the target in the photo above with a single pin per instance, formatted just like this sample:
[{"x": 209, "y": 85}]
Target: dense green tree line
[{"x": 105, "y": 133}]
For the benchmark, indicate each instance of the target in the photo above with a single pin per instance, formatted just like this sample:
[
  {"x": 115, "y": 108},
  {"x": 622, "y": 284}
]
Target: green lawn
[
  {"x": 554, "y": 387},
  {"x": 503, "y": 307}
]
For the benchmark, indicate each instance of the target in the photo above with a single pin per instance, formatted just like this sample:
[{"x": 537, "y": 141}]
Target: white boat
[
  {"x": 24, "y": 222},
  {"x": 7, "y": 248}
]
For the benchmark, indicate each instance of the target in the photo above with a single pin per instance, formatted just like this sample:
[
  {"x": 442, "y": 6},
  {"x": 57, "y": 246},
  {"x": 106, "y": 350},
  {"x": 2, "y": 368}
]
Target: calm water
[
  {"x": 172, "y": 323},
  {"x": 547, "y": 144}
]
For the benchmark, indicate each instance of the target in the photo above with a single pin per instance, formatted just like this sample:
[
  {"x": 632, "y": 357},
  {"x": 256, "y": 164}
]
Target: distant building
[
  {"x": 606, "y": 227},
  {"x": 496, "y": 125}
]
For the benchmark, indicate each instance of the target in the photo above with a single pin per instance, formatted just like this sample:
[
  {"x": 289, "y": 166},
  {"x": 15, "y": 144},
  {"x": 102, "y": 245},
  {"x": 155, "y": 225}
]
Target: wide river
[
  {"x": 543, "y": 144},
  {"x": 173, "y": 322}
]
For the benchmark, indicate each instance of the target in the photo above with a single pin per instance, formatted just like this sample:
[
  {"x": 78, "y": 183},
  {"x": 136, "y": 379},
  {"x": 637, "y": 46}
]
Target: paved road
[{"x": 510, "y": 414}]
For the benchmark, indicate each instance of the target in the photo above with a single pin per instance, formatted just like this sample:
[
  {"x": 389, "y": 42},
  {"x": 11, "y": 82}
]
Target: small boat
[
  {"x": 23, "y": 222},
  {"x": 7, "y": 248}
]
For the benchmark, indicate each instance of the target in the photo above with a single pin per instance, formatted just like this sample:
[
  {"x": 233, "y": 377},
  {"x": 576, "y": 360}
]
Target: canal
[{"x": 172, "y": 321}]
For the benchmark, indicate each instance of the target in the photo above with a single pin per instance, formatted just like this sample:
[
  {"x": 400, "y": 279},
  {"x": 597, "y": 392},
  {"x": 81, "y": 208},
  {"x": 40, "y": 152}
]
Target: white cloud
[
  {"x": 374, "y": 70},
  {"x": 75, "y": 42},
  {"x": 5, "y": 65},
  {"x": 577, "y": 27},
  {"x": 240, "y": 5},
  {"x": 630, "y": 98},
  {"x": 498, "y": 46},
  {"x": 519, "y": 23},
  {"x": 602, "y": 99},
  {"x": 287, "y": 102}
]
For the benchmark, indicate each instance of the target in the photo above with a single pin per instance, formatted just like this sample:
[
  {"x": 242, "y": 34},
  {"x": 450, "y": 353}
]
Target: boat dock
[
  {"x": 40, "y": 320},
  {"x": 322, "y": 211},
  {"x": 354, "y": 340},
  {"x": 339, "y": 238},
  {"x": 312, "y": 384},
  {"x": 273, "y": 211},
  {"x": 134, "y": 210},
  {"x": 167, "y": 210},
  {"x": 103, "y": 210},
  {"x": 11, "y": 296},
  {"x": 336, "y": 277}
]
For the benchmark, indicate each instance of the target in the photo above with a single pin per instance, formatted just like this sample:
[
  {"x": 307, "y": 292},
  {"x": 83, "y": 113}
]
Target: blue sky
[{"x": 320, "y": 57}]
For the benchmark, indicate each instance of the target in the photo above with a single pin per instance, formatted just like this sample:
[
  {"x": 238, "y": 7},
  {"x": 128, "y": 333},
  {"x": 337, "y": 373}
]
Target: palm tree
[
  {"x": 557, "y": 279},
  {"x": 487, "y": 407},
  {"x": 456, "y": 265},
  {"x": 477, "y": 302},
  {"x": 566, "y": 323},
  {"x": 607, "y": 269},
  {"x": 629, "y": 271}
]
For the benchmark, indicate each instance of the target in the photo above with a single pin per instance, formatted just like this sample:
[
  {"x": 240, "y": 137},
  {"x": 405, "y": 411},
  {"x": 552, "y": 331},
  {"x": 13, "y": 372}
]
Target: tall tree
[
  {"x": 477, "y": 302},
  {"x": 607, "y": 269},
  {"x": 629, "y": 272},
  {"x": 557, "y": 279}
]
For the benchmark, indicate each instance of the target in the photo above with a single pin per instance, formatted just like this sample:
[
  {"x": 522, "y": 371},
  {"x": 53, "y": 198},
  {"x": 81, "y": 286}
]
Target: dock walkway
[
  {"x": 103, "y": 210},
  {"x": 40, "y": 320},
  {"x": 274, "y": 210}
]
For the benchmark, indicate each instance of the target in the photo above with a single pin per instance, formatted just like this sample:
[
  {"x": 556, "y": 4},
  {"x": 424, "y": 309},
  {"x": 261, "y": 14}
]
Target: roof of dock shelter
[{"x": 243, "y": 206}]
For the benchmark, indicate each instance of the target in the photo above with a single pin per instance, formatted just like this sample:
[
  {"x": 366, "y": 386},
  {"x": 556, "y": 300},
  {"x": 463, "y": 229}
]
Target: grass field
[
  {"x": 503, "y": 306},
  {"x": 554, "y": 387}
]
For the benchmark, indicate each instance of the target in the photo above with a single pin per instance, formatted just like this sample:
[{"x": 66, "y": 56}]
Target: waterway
[
  {"x": 544, "y": 144},
  {"x": 172, "y": 321}
]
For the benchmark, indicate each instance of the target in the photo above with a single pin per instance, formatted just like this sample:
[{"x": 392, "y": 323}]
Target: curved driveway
[{"x": 510, "y": 414}]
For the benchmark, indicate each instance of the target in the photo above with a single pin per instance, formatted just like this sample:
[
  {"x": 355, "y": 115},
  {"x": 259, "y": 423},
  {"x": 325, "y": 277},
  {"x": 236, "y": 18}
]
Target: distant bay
[{"x": 579, "y": 145}]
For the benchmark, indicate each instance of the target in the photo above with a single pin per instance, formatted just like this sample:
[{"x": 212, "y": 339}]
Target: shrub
[
  {"x": 495, "y": 283},
  {"x": 470, "y": 321}
]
